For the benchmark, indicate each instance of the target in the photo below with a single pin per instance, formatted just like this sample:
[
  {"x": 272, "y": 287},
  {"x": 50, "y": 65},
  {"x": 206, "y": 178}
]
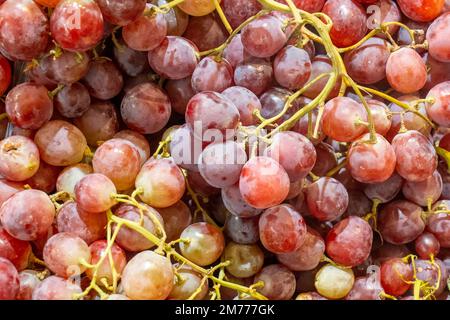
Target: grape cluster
[{"x": 234, "y": 149}]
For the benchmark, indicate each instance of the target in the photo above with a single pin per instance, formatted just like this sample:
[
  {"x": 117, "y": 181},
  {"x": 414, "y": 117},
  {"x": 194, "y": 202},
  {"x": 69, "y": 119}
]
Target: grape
[
  {"x": 119, "y": 160},
  {"x": 56, "y": 288},
  {"x": 334, "y": 282},
  {"x": 9, "y": 280},
  {"x": 19, "y": 18},
  {"x": 320, "y": 64},
  {"x": 121, "y": 12},
  {"x": 310, "y": 296},
  {"x": 427, "y": 245},
  {"x": 63, "y": 254},
  {"x": 307, "y": 256},
  {"x": 179, "y": 92},
  {"x": 210, "y": 110},
  {"x": 282, "y": 229},
  {"x": 292, "y": 67},
  {"x": 162, "y": 183},
  {"x": 245, "y": 260},
  {"x": 327, "y": 199},
  {"x": 367, "y": 63},
  {"x": 133, "y": 63},
  {"x": 242, "y": 230},
  {"x": 205, "y": 243},
  {"x": 437, "y": 72},
  {"x": 184, "y": 289},
  {"x": 136, "y": 35},
  {"x": 138, "y": 141},
  {"x": 143, "y": 103},
  {"x": 73, "y": 100},
  {"x": 340, "y": 119},
  {"x": 176, "y": 218},
  {"x": 185, "y": 148},
  {"x": 400, "y": 222},
  {"x": 69, "y": 67},
  {"x": 77, "y": 25},
  {"x": 438, "y": 224},
  {"x": 27, "y": 215},
  {"x": 5, "y": 75},
  {"x": 327, "y": 159},
  {"x": 279, "y": 282},
  {"x": 87, "y": 226},
  {"x": 436, "y": 37},
  {"x": 410, "y": 120},
  {"x": 29, "y": 106},
  {"x": 365, "y": 288},
  {"x": 197, "y": 7},
  {"x": 371, "y": 163},
  {"x": 235, "y": 53},
  {"x": 42, "y": 74},
  {"x": 307, "y": 5},
  {"x": 424, "y": 192},
  {"x": 175, "y": 58},
  {"x": 388, "y": 12},
  {"x": 273, "y": 102},
  {"x": 99, "y": 123},
  {"x": 237, "y": 11},
  {"x": 394, "y": 275},
  {"x": 118, "y": 297},
  {"x": 28, "y": 282},
  {"x": 245, "y": 101},
  {"x": 45, "y": 178},
  {"x": 19, "y": 158},
  {"x": 212, "y": 75},
  {"x": 60, "y": 143},
  {"x": 220, "y": 164},
  {"x": 16, "y": 251},
  {"x": 254, "y": 74},
  {"x": 264, "y": 36},
  {"x": 132, "y": 240},
  {"x": 349, "y": 21},
  {"x": 428, "y": 272},
  {"x": 295, "y": 153},
  {"x": 98, "y": 250},
  {"x": 349, "y": 242},
  {"x": 235, "y": 203},
  {"x": 416, "y": 157},
  {"x": 384, "y": 191},
  {"x": 437, "y": 111},
  {"x": 93, "y": 193},
  {"x": 8, "y": 189},
  {"x": 422, "y": 10},
  {"x": 104, "y": 80},
  {"x": 206, "y": 32},
  {"x": 405, "y": 70},
  {"x": 48, "y": 3},
  {"x": 263, "y": 183},
  {"x": 380, "y": 115},
  {"x": 177, "y": 20},
  {"x": 70, "y": 176}
]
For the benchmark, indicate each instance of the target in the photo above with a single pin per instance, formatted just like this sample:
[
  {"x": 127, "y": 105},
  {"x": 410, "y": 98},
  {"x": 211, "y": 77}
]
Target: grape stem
[{"x": 222, "y": 16}]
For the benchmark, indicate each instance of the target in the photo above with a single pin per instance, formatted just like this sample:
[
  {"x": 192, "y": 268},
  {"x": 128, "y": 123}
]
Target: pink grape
[{"x": 19, "y": 158}]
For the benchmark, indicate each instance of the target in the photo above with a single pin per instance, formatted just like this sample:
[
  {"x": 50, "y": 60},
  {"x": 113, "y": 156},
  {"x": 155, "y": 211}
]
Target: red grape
[
  {"x": 16, "y": 251},
  {"x": 5, "y": 75},
  {"x": 235, "y": 203},
  {"x": 175, "y": 58},
  {"x": 292, "y": 67},
  {"x": 406, "y": 71},
  {"x": 254, "y": 74},
  {"x": 424, "y": 192},
  {"x": 20, "y": 18},
  {"x": 56, "y": 288},
  {"x": 120, "y": 12},
  {"x": 246, "y": 260},
  {"x": 8, "y": 189},
  {"x": 180, "y": 92},
  {"x": 416, "y": 157},
  {"x": 93, "y": 193},
  {"x": 436, "y": 37},
  {"x": 28, "y": 282},
  {"x": 69, "y": 67},
  {"x": 176, "y": 218},
  {"x": 263, "y": 183},
  {"x": 45, "y": 178},
  {"x": 9, "y": 280},
  {"x": 279, "y": 282},
  {"x": 206, "y": 32},
  {"x": 384, "y": 191},
  {"x": 73, "y": 100},
  {"x": 327, "y": 199},
  {"x": 395, "y": 275},
  {"x": 400, "y": 222},
  {"x": 133, "y": 63},
  {"x": 98, "y": 251},
  {"x": 246, "y": 102},
  {"x": 427, "y": 245},
  {"x": 242, "y": 230},
  {"x": 212, "y": 75},
  {"x": 438, "y": 110},
  {"x": 19, "y": 158},
  {"x": 177, "y": 20},
  {"x": 104, "y": 80},
  {"x": 421, "y": 10},
  {"x": 27, "y": 215},
  {"x": 29, "y": 106}
]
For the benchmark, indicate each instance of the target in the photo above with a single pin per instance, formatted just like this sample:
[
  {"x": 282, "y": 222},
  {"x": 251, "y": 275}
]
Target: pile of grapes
[{"x": 233, "y": 149}]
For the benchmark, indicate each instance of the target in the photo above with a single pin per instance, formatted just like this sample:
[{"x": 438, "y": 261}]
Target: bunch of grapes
[{"x": 233, "y": 149}]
